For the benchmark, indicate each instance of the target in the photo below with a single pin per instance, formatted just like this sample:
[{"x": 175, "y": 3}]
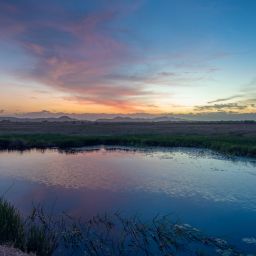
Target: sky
[{"x": 141, "y": 56}]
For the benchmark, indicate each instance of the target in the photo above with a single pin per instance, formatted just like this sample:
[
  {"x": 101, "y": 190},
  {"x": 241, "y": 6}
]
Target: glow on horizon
[{"x": 127, "y": 57}]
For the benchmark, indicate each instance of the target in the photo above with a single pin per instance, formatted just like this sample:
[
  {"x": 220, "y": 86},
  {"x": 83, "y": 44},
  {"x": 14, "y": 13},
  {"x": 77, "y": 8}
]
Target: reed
[{"x": 104, "y": 235}]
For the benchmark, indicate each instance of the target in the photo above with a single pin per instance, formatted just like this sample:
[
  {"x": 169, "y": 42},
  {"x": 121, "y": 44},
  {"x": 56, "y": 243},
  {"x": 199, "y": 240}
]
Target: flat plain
[
  {"x": 232, "y": 138},
  {"x": 133, "y": 128}
]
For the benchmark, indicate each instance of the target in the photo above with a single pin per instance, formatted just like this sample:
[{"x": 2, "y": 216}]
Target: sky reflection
[{"x": 182, "y": 173}]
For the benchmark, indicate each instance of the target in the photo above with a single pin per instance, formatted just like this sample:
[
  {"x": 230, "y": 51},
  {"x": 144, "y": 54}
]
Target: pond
[{"x": 209, "y": 191}]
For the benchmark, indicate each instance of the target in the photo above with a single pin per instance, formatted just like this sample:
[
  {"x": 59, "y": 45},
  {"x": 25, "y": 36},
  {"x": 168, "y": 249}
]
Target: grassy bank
[
  {"x": 31, "y": 234},
  {"x": 228, "y": 144}
]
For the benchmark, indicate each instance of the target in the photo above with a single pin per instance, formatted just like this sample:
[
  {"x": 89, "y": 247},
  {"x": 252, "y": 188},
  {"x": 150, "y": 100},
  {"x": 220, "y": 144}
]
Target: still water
[{"x": 209, "y": 191}]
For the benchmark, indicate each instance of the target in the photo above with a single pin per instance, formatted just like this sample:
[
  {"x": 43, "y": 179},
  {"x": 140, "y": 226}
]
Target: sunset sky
[{"x": 166, "y": 56}]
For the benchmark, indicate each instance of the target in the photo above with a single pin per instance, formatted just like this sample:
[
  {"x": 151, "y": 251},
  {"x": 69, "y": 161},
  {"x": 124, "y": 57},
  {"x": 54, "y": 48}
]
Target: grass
[
  {"x": 29, "y": 235},
  {"x": 228, "y": 144},
  {"x": 11, "y": 225},
  {"x": 104, "y": 235}
]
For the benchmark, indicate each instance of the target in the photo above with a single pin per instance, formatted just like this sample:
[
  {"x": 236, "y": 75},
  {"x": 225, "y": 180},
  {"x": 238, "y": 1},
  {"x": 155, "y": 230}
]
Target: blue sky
[{"x": 176, "y": 56}]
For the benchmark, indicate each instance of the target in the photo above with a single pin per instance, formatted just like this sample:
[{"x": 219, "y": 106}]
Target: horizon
[
  {"x": 212, "y": 116},
  {"x": 180, "y": 58}
]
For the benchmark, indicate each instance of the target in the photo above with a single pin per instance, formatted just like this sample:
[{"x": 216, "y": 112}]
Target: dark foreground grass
[
  {"x": 106, "y": 235},
  {"x": 29, "y": 235},
  {"x": 228, "y": 144}
]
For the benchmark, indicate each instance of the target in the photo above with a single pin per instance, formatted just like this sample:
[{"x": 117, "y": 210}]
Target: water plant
[{"x": 104, "y": 235}]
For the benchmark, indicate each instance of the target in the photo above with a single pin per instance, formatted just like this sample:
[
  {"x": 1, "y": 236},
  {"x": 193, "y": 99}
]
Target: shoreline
[{"x": 232, "y": 145}]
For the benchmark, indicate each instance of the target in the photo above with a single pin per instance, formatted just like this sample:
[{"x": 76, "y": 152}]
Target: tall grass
[
  {"x": 30, "y": 235},
  {"x": 11, "y": 225},
  {"x": 108, "y": 235}
]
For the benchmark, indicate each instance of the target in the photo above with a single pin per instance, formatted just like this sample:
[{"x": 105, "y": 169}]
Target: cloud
[
  {"x": 219, "y": 116},
  {"x": 249, "y": 100},
  {"x": 72, "y": 52},
  {"x": 2, "y": 111},
  {"x": 80, "y": 50},
  {"x": 83, "y": 51},
  {"x": 226, "y": 99},
  {"x": 221, "y": 107}
]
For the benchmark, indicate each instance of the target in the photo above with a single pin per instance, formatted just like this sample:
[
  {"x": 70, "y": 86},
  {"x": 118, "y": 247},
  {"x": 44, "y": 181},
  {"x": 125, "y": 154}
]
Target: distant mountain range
[
  {"x": 130, "y": 119},
  {"x": 51, "y": 119},
  {"x": 47, "y": 116},
  {"x": 114, "y": 120}
]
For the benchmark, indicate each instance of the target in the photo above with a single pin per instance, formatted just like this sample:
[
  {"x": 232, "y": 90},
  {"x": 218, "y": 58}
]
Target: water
[{"x": 206, "y": 190}]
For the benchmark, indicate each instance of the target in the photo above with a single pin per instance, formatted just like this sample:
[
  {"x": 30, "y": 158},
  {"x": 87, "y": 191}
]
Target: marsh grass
[
  {"x": 30, "y": 235},
  {"x": 115, "y": 235},
  {"x": 41, "y": 233},
  {"x": 11, "y": 225},
  {"x": 228, "y": 144},
  {"x": 104, "y": 235}
]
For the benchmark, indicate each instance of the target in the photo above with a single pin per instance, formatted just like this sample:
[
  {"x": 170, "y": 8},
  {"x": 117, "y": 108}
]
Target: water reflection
[
  {"x": 210, "y": 191},
  {"x": 176, "y": 173}
]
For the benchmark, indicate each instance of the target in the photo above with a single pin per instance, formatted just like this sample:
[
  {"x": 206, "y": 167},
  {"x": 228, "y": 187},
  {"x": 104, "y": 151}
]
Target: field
[
  {"x": 237, "y": 138},
  {"x": 108, "y": 128}
]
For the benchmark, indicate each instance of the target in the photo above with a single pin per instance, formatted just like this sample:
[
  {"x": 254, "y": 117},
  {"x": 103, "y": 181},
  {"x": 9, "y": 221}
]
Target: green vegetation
[
  {"x": 11, "y": 225},
  {"x": 104, "y": 235},
  {"x": 30, "y": 235},
  {"x": 228, "y": 144}
]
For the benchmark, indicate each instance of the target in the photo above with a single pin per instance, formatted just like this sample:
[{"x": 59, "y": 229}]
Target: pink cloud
[{"x": 82, "y": 55}]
